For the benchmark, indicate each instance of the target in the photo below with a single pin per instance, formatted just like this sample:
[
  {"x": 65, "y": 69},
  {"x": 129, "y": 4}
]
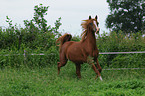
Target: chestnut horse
[{"x": 79, "y": 52}]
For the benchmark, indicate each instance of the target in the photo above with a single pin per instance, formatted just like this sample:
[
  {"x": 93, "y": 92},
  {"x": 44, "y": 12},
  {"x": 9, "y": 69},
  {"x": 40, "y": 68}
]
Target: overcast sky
[{"x": 72, "y": 12}]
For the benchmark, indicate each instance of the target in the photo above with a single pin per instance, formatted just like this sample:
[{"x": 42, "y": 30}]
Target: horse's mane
[{"x": 84, "y": 28}]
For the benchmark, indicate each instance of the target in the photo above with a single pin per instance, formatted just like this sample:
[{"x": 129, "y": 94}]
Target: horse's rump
[{"x": 66, "y": 37}]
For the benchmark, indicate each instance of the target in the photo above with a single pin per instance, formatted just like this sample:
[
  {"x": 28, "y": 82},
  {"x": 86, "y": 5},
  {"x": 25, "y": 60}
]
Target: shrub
[{"x": 121, "y": 43}]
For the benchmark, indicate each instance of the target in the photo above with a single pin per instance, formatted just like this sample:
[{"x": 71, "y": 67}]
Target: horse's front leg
[
  {"x": 95, "y": 55},
  {"x": 91, "y": 62},
  {"x": 98, "y": 66},
  {"x": 78, "y": 69},
  {"x": 96, "y": 71}
]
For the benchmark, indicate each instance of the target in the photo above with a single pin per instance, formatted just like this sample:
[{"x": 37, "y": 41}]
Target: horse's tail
[{"x": 66, "y": 37}]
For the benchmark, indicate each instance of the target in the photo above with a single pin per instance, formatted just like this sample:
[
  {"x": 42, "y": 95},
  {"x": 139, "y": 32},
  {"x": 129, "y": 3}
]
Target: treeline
[{"x": 38, "y": 37}]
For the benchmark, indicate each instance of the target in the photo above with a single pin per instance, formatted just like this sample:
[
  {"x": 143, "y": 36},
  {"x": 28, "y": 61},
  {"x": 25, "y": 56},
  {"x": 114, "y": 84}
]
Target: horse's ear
[
  {"x": 90, "y": 17},
  {"x": 96, "y": 17}
]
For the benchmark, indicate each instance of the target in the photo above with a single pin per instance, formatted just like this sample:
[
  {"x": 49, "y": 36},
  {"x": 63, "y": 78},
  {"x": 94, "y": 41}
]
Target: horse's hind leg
[
  {"x": 78, "y": 69},
  {"x": 61, "y": 64}
]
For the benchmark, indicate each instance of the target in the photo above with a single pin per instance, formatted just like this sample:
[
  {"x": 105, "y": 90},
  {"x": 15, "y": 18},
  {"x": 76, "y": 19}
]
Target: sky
[{"x": 72, "y": 12}]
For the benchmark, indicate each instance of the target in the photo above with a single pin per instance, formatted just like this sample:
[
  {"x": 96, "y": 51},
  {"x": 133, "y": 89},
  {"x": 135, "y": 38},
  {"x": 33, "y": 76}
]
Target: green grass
[{"x": 45, "y": 82}]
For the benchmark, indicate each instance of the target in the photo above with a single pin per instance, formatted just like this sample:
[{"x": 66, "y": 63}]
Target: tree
[
  {"x": 38, "y": 22},
  {"x": 40, "y": 12},
  {"x": 126, "y": 15},
  {"x": 38, "y": 31}
]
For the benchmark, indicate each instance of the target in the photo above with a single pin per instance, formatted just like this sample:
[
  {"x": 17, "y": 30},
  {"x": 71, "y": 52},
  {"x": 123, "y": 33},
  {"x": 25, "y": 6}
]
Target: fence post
[{"x": 24, "y": 56}]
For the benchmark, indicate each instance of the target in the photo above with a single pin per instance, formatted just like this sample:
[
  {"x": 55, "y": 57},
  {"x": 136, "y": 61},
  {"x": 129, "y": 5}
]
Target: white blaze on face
[{"x": 97, "y": 29}]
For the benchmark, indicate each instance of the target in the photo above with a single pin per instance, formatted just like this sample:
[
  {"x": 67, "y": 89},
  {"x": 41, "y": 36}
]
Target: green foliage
[
  {"x": 121, "y": 43},
  {"x": 36, "y": 34},
  {"x": 39, "y": 19},
  {"x": 126, "y": 15},
  {"x": 128, "y": 61},
  {"x": 17, "y": 59},
  {"x": 38, "y": 22},
  {"x": 76, "y": 38}
]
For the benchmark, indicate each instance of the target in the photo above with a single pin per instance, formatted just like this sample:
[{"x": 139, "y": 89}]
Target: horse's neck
[{"x": 91, "y": 39}]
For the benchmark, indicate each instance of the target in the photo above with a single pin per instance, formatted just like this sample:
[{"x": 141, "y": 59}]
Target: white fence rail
[
  {"x": 139, "y": 52},
  {"x": 121, "y": 52},
  {"x": 99, "y": 53},
  {"x": 124, "y": 69}
]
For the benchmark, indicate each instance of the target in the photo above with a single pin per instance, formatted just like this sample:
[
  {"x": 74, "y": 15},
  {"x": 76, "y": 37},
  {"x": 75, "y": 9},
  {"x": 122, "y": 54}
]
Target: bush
[
  {"x": 36, "y": 34},
  {"x": 121, "y": 43}
]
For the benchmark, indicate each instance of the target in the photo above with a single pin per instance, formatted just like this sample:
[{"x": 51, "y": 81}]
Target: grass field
[{"x": 45, "y": 82}]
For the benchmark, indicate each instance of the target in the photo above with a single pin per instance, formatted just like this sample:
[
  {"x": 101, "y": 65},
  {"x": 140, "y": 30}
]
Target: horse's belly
[{"x": 76, "y": 55}]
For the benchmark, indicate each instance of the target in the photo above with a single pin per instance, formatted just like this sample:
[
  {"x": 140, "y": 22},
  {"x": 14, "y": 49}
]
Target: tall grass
[{"x": 46, "y": 82}]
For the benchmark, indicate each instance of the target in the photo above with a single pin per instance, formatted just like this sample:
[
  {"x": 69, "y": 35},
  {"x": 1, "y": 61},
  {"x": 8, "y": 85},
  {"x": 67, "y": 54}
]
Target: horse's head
[
  {"x": 94, "y": 24},
  {"x": 90, "y": 25}
]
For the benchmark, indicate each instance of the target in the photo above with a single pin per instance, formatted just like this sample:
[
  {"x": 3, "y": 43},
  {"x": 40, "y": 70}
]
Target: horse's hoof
[{"x": 101, "y": 78}]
